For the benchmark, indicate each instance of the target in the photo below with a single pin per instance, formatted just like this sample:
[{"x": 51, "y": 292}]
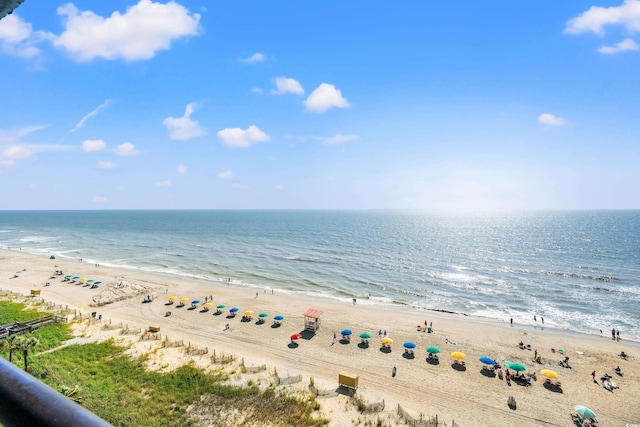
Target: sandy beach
[{"x": 466, "y": 396}]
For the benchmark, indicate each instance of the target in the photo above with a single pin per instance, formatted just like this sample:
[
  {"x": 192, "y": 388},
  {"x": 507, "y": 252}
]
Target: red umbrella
[{"x": 295, "y": 337}]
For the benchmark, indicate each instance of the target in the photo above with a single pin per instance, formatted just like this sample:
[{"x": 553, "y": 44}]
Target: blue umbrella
[
  {"x": 195, "y": 301},
  {"x": 487, "y": 360},
  {"x": 278, "y": 318},
  {"x": 97, "y": 283},
  {"x": 234, "y": 310},
  {"x": 76, "y": 277},
  {"x": 409, "y": 344},
  {"x": 346, "y": 332}
]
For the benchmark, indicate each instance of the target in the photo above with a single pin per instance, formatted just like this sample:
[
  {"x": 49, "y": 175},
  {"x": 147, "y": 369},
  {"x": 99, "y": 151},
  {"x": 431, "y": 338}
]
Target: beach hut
[{"x": 312, "y": 320}]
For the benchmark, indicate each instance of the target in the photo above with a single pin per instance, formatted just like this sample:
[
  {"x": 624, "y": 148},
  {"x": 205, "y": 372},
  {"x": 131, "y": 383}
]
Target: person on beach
[
  {"x": 613, "y": 334},
  {"x": 354, "y": 301},
  {"x": 542, "y": 319},
  {"x": 535, "y": 319},
  {"x": 511, "y": 321},
  {"x": 618, "y": 334},
  {"x": 593, "y": 375}
]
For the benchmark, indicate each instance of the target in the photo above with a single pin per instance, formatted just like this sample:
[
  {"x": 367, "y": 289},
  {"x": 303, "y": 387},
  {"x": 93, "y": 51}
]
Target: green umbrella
[
  {"x": 90, "y": 281},
  {"x": 365, "y": 335},
  {"x": 68, "y": 277},
  {"x": 584, "y": 411},
  {"x": 262, "y": 315},
  {"x": 221, "y": 306},
  {"x": 433, "y": 349},
  {"x": 518, "y": 367}
]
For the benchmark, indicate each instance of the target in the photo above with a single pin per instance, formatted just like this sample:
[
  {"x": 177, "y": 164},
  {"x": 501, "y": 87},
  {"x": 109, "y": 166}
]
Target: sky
[{"x": 438, "y": 105}]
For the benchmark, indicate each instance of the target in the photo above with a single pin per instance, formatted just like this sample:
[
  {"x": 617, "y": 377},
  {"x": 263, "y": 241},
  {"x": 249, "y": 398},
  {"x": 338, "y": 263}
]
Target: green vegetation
[{"x": 102, "y": 378}]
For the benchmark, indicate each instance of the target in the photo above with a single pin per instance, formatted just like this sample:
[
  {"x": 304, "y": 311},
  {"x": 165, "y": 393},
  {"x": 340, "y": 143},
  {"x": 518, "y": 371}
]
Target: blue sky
[{"x": 144, "y": 104}]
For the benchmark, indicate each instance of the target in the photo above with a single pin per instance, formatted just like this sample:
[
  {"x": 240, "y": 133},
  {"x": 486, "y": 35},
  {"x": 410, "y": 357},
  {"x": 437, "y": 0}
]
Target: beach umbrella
[
  {"x": 248, "y": 313},
  {"x": 75, "y": 277},
  {"x": 386, "y": 340},
  {"x": 409, "y": 344},
  {"x": 549, "y": 373},
  {"x": 184, "y": 299},
  {"x": 68, "y": 276},
  {"x": 207, "y": 304},
  {"x": 173, "y": 298},
  {"x": 278, "y": 317},
  {"x": 584, "y": 411},
  {"x": 518, "y": 367},
  {"x": 97, "y": 283},
  {"x": 234, "y": 310},
  {"x": 195, "y": 301},
  {"x": 365, "y": 335},
  {"x": 295, "y": 337},
  {"x": 346, "y": 332},
  {"x": 263, "y": 315},
  {"x": 221, "y": 306},
  {"x": 433, "y": 349},
  {"x": 458, "y": 355},
  {"x": 487, "y": 360},
  {"x": 90, "y": 281},
  {"x": 83, "y": 279}
]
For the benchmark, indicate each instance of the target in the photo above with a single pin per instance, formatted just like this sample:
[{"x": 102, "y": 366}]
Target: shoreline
[
  {"x": 393, "y": 305},
  {"x": 465, "y": 396}
]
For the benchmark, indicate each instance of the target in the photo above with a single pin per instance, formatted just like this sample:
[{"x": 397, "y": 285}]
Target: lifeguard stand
[{"x": 312, "y": 320}]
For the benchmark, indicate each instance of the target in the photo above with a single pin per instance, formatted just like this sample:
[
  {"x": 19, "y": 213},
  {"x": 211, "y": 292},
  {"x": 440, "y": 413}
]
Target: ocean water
[{"x": 578, "y": 269}]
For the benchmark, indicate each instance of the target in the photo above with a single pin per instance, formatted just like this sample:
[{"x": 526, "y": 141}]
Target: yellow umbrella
[
  {"x": 549, "y": 373},
  {"x": 248, "y": 313},
  {"x": 83, "y": 279},
  {"x": 184, "y": 299},
  {"x": 386, "y": 340},
  {"x": 458, "y": 355},
  {"x": 207, "y": 304},
  {"x": 173, "y": 298}
]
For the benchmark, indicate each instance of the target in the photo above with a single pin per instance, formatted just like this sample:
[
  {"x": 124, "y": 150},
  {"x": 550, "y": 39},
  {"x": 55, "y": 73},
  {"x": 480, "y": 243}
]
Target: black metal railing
[{"x": 25, "y": 401}]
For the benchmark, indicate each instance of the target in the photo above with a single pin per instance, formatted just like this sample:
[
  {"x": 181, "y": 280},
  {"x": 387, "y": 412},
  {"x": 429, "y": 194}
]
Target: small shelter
[{"x": 312, "y": 320}]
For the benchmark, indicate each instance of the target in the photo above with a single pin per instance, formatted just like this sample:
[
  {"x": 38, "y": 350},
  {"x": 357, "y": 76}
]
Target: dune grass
[{"x": 118, "y": 388}]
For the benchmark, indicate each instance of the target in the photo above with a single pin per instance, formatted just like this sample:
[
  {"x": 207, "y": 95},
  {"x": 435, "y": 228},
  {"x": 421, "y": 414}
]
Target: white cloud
[
  {"x": 106, "y": 165},
  {"x": 596, "y": 18},
  {"x": 163, "y": 183},
  {"x": 16, "y": 152},
  {"x": 624, "y": 46},
  {"x": 100, "y": 107},
  {"x": 93, "y": 145},
  {"x": 126, "y": 149},
  {"x": 225, "y": 175},
  {"x": 238, "y": 186},
  {"x": 138, "y": 34},
  {"x": 183, "y": 128},
  {"x": 239, "y": 138},
  {"x": 256, "y": 57},
  {"x": 340, "y": 139},
  {"x": 51, "y": 147},
  {"x": 16, "y": 135},
  {"x": 256, "y": 90},
  {"x": 324, "y": 97},
  {"x": 5, "y": 163},
  {"x": 17, "y": 37},
  {"x": 99, "y": 199},
  {"x": 550, "y": 119},
  {"x": 181, "y": 169},
  {"x": 287, "y": 85}
]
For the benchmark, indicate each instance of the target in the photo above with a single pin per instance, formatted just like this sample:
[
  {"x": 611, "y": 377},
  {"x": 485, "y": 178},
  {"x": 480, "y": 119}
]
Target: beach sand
[{"x": 468, "y": 397}]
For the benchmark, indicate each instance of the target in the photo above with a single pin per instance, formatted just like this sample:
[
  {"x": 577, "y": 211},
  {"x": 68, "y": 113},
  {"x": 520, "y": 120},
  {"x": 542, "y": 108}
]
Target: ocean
[{"x": 580, "y": 270}]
